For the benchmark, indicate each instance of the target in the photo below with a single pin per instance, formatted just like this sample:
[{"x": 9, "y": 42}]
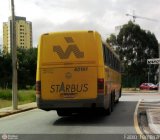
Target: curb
[
  {"x": 152, "y": 116},
  {"x": 21, "y": 108},
  {"x": 145, "y": 91},
  {"x": 136, "y": 120}
]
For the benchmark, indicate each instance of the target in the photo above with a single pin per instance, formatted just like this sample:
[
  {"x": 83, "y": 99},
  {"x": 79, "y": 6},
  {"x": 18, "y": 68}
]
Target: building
[{"x": 23, "y": 34}]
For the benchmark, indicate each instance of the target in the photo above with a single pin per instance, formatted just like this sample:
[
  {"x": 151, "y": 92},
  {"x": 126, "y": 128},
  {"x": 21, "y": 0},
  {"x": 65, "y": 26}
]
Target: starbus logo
[{"x": 72, "y": 48}]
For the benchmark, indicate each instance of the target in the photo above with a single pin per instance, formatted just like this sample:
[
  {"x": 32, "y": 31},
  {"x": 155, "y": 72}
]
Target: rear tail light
[
  {"x": 38, "y": 88},
  {"x": 101, "y": 86}
]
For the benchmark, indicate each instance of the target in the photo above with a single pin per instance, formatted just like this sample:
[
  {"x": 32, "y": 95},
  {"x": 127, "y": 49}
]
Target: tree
[
  {"x": 5, "y": 71},
  {"x": 0, "y": 52},
  {"x": 27, "y": 61},
  {"x": 135, "y": 46},
  {"x": 112, "y": 40}
]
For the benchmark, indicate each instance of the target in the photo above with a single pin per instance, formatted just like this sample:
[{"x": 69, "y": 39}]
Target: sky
[{"x": 100, "y": 15}]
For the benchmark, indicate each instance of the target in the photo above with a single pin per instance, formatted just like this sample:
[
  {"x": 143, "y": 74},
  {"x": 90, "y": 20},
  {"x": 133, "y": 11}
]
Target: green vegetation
[
  {"x": 27, "y": 61},
  {"x": 5, "y": 103},
  {"x": 27, "y": 95},
  {"x": 24, "y": 96},
  {"x": 134, "y": 46},
  {"x": 6, "y": 94}
]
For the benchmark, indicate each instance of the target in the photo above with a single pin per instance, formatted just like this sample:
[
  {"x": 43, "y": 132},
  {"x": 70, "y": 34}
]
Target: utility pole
[
  {"x": 159, "y": 71},
  {"x": 14, "y": 58}
]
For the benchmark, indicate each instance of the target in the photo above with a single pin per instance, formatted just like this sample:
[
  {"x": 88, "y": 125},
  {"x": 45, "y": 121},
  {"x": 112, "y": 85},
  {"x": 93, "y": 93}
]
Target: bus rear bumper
[{"x": 70, "y": 104}]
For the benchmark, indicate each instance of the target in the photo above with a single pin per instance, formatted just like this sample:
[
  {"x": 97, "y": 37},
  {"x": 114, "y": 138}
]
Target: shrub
[{"x": 6, "y": 94}]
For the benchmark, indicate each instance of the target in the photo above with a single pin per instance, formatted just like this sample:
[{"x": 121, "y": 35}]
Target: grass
[
  {"x": 5, "y": 103},
  {"x": 24, "y": 96}
]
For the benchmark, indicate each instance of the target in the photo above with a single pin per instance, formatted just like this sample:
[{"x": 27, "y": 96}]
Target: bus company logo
[
  {"x": 72, "y": 48},
  {"x": 68, "y": 75}
]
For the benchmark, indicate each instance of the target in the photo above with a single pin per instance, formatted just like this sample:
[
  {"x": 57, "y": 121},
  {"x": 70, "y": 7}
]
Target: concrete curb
[
  {"x": 21, "y": 108},
  {"x": 136, "y": 120},
  {"x": 141, "y": 91},
  {"x": 153, "y": 116}
]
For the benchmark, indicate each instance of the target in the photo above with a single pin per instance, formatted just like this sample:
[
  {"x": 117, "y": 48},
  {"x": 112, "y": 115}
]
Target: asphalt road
[{"x": 76, "y": 127}]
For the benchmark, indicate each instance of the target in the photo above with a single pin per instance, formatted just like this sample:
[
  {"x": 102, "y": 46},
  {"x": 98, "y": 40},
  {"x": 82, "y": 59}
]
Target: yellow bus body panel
[
  {"x": 67, "y": 65},
  {"x": 69, "y": 48},
  {"x": 67, "y": 83}
]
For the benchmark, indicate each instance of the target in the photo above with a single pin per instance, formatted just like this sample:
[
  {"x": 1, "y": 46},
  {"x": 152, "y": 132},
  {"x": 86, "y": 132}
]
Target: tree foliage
[
  {"x": 5, "y": 71},
  {"x": 135, "y": 46},
  {"x": 27, "y": 60},
  {"x": 112, "y": 40}
]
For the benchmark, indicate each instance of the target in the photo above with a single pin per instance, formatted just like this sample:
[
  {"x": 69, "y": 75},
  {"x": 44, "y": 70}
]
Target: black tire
[
  {"x": 110, "y": 108},
  {"x": 120, "y": 93},
  {"x": 112, "y": 101},
  {"x": 117, "y": 101},
  {"x": 105, "y": 112}
]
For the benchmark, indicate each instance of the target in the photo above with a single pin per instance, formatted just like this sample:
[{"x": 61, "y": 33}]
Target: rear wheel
[
  {"x": 110, "y": 108},
  {"x": 112, "y": 100},
  {"x": 117, "y": 101},
  {"x": 120, "y": 93},
  {"x": 104, "y": 111}
]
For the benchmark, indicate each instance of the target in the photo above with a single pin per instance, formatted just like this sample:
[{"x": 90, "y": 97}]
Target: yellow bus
[{"x": 76, "y": 71}]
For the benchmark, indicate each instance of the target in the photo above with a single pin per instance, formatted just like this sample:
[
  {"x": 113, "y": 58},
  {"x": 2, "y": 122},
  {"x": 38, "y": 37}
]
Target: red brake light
[
  {"x": 38, "y": 87},
  {"x": 101, "y": 86}
]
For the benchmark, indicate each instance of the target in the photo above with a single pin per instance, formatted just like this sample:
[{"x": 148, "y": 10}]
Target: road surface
[{"x": 36, "y": 121}]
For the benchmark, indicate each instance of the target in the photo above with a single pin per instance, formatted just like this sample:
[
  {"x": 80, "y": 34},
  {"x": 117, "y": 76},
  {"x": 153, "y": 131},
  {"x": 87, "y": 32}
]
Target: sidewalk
[
  {"x": 21, "y": 108},
  {"x": 153, "y": 116},
  {"x": 152, "y": 109},
  {"x": 139, "y": 91}
]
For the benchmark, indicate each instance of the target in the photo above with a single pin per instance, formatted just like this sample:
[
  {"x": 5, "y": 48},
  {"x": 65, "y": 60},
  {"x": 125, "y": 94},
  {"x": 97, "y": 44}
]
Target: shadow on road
[{"x": 121, "y": 116}]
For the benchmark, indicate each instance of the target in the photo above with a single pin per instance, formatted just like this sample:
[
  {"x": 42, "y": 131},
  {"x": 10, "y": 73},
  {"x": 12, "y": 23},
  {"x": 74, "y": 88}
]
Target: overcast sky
[{"x": 100, "y": 15}]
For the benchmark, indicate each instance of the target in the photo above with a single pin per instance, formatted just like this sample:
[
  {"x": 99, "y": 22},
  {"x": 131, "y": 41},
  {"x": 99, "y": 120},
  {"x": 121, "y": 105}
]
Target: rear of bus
[{"x": 70, "y": 71}]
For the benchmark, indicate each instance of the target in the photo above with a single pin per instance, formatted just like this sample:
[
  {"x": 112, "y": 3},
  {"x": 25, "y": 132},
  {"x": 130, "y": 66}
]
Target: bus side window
[
  {"x": 115, "y": 63},
  {"x": 104, "y": 54},
  {"x": 117, "y": 67},
  {"x": 107, "y": 60},
  {"x": 111, "y": 59}
]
